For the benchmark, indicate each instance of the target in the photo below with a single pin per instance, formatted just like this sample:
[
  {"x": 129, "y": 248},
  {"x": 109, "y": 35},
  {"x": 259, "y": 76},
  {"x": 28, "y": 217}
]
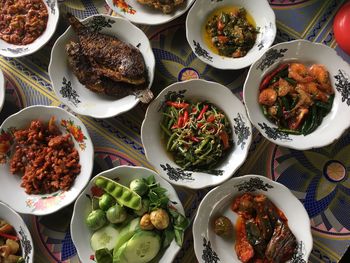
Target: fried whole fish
[
  {"x": 106, "y": 65},
  {"x": 167, "y": 6}
]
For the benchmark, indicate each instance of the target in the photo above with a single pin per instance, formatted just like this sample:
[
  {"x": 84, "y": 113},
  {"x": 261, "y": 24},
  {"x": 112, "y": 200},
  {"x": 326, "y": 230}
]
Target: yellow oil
[{"x": 226, "y": 9}]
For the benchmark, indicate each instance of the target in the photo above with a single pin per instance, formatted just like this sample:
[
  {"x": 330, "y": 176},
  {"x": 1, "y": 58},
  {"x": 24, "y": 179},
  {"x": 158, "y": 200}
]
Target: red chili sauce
[{"x": 22, "y": 21}]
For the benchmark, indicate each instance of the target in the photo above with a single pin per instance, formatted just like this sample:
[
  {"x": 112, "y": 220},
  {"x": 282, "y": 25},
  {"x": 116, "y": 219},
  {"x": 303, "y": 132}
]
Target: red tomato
[{"x": 341, "y": 27}]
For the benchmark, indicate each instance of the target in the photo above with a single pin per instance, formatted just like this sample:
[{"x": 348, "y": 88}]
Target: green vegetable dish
[
  {"x": 231, "y": 32},
  {"x": 198, "y": 134},
  {"x": 132, "y": 224}
]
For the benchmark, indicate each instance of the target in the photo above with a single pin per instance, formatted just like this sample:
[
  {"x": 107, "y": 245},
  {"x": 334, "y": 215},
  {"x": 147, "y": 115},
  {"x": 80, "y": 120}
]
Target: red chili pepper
[
  {"x": 180, "y": 121},
  {"x": 199, "y": 125},
  {"x": 265, "y": 82},
  {"x": 195, "y": 139},
  {"x": 9, "y": 236},
  {"x": 224, "y": 139},
  {"x": 200, "y": 116},
  {"x": 220, "y": 25},
  {"x": 178, "y": 105},
  {"x": 92, "y": 257},
  {"x": 222, "y": 39},
  {"x": 211, "y": 118},
  {"x": 185, "y": 117},
  {"x": 194, "y": 110}
]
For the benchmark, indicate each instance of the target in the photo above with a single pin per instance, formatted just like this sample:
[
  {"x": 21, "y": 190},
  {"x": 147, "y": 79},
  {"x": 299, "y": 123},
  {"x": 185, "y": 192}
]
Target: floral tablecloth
[{"x": 117, "y": 140}]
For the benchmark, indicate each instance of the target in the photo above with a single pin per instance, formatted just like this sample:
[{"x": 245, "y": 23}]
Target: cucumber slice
[
  {"x": 126, "y": 233},
  {"x": 142, "y": 247},
  {"x": 106, "y": 237}
]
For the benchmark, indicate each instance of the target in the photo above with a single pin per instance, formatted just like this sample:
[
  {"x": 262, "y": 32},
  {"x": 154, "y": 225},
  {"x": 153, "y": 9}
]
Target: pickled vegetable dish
[
  {"x": 262, "y": 232},
  {"x": 132, "y": 224},
  {"x": 231, "y": 32},
  {"x": 197, "y": 133},
  {"x": 296, "y": 97},
  {"x": 10, "y": 246}
]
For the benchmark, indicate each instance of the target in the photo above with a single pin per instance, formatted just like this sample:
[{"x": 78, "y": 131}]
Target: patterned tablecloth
[{"x": 117, "y": 140}]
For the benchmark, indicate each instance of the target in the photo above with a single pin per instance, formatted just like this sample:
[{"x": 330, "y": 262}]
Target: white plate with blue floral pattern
[
  {"x": 162, "y": 161},
  {"x": 2, "y": 90},
  {"x": 209, "y": 247},
  {"x": 143, "y": 14},
  {"x": 74, "y": 94},
  {"x": 333, "y": 124},
  {"x": 260, "y": 11},
  {"x": 14, "y": 51},
  {"x": 25, "y": 239}
]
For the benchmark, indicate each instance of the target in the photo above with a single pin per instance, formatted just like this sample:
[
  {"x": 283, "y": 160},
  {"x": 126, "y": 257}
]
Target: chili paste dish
[
  {"x": 128, "y": 214},
  {"x": 230, "y": 34},
  {"x": 196, "y": 133},
  {"x": 46, "y": 159},
  {"x": 251, "y": 219},
  {"x": 26, "y": 25},
  {"x": 294, "y": 96}
]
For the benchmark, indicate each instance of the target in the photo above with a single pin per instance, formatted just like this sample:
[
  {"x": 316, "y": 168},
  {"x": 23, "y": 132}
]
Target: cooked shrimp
[
  {"x": 268, "y": 97},
  {"x": 313, "y": 89},
  {"x": 284, "y": 87},
  {"x": 294, "y": 124},
  {"x": 321, "y": 75},
  {"x": 299, "y": 72},
  {"x": 304, "y": 98}
]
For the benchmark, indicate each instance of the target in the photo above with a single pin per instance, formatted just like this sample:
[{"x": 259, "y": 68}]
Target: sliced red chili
[
  {"x": 224, "y": 139},
  {"x": 178, "y": 105},
  {"x": 180, "y": 121},
  {"x": 220, "y": 25},
  {"x": 185, "y": 117},
  {"x": 195, "y": 139},
  {"x": 9, "y": 236},
  {"x": 201, "y": 114},
  {"x": 211, "y": 118},
  {"x": 266, "y": 81}
]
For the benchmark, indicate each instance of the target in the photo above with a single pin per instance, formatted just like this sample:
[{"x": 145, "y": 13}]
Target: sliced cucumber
[
  {"x": 126, "y": 233},
  {"x": 142, "y": 247},
  {"x": 106, "y": 237},
  {"x": 118, "y": 257}
]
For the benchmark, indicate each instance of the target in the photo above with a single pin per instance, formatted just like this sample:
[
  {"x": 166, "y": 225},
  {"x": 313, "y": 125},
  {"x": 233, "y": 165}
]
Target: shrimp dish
[
  {"x": 10, "y": 246},
  {"x": 296, "y": 97}
]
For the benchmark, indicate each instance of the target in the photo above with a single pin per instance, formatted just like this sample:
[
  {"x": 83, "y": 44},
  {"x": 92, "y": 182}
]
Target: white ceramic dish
[
  {"x": 14, "y": 219},
  {"x": 11, "y": 50},
  {"x": 81, "y": 234},
  {"x": 2, "y": 90},
  {"x": 218, "y": 201},
  {"x": 75, "y": 95},
  {"x": 142, "y": 14},
  {"x": 12, "y": 193},
  {"x": 263, "y": 16},
  {"x": 162, "y": 161},
  {"x": 333, "y": 125}
]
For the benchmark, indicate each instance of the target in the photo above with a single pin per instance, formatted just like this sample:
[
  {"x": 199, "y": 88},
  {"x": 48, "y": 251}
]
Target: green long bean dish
[{"x": 197, "y": 134}]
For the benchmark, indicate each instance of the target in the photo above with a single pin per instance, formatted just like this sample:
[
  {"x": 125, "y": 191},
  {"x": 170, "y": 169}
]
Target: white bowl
[
  {"x": 14, "y": 219},
  {"x": 2, "y": 90},
  {"x": 161, "y": 160},
  {"x": 263, "y": 16},
  {"x": 334, "y": 123},
  {"x": 81, "y": 234},
  {"x": 142, "y": 14},
  {"x": 13, "y": 194},
  {"x": 80, "y": 99},
  {"x": 14, "y": 51},
  {"x": 218, "y": 202}
]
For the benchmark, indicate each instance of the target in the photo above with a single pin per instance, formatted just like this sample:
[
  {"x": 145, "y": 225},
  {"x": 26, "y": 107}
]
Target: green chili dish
[
  {"x": 198, "y": 134},
  {"x": 231, "y": 31}
]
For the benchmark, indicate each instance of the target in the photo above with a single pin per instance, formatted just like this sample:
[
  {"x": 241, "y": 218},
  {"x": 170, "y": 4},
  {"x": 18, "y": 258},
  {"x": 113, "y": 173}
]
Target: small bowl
[
  {"x": 218, "y": 202},
  {"x": 2, "y": 90},
  {"x": 333, "y": 124},
  {"x": 15, "y": 51},
  {"x": 162, "y": 160},
  {"x": 74, "y": 94},
  {"x": 12, "y": 193},
  {"x": 14, "y": 219},
  {"x": 125, "y": 174},
  {"x": 263, "y": 16},
  {"x": 145, "y": 15}
]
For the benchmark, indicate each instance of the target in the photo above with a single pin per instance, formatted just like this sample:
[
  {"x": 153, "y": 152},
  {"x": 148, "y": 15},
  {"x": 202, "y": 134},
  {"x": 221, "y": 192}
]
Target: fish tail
[
  {"x": 75, "y": 23},
  {"x": 145, "y": 95}
]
